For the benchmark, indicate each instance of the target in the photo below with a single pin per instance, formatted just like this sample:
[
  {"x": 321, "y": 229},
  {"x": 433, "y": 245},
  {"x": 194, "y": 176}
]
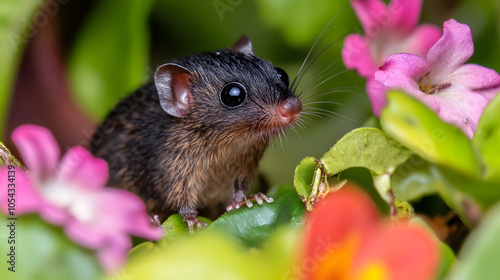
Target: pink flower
[
  {"x": 388, "y": 30},
  {"x": 458, "y": 92},
  {"x": 346, "y": 239},
  {"x": 71, "y": 193}
]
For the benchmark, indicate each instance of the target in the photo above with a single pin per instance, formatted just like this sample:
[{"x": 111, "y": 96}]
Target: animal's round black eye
[
  {"x": 283, "y": 76},
  {"x": 233, "y": 94}
]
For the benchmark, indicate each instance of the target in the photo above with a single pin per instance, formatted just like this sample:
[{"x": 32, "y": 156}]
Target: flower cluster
[
  {"x": 71, "y": 193},
  {"x": 430, "y": 66}
]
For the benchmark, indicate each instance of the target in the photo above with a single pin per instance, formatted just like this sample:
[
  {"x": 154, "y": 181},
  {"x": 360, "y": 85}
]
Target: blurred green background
[{"x": 65, "y": 63}]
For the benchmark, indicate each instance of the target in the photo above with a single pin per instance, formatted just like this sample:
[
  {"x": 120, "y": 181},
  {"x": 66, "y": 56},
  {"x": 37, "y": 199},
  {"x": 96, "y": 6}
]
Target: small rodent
[{"x": 194, "y": 138}]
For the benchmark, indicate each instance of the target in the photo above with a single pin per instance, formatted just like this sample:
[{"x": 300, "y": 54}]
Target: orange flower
[{"x": 346, "y": 239}]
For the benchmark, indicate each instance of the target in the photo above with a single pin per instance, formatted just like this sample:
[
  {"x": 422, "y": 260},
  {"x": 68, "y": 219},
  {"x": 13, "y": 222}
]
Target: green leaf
[
  {"x": 143, "y": 249},
  {"x": 479, "y": 254},
  {"x": 44, "y": 252},
  {"x": 16, "y": 20},
  {"x": 415, "y": 179},
  {"x": 303, "y": 178},
  {"x": 253, "y": 226},
  {"x": 212, "y": 255},
  {"x": 486, "y": 193},
  {"x": 487, "y": 139},
  {"x": 419, "y": 129},
  {"x": 109, "y": 58},
  {"x": 365, "y": 147},
  {"x": 175, "y": 227}
]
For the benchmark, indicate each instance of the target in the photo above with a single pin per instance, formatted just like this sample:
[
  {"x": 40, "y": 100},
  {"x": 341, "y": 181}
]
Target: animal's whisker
[
  {"x": 324, "y": 81},
  {"x": 319, "y": 76},
  {"x": 321, "y": 113},
  {"x": 293, "y": 85},
  {"x": 327, "y": 92},
  {"x": 317, "y": 56}
]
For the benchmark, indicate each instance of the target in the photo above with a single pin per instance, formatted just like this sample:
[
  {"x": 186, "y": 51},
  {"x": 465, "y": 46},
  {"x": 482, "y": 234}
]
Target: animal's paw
[
  {"x": 258, "y": 197},
  {"x": 191, "y": 217}
]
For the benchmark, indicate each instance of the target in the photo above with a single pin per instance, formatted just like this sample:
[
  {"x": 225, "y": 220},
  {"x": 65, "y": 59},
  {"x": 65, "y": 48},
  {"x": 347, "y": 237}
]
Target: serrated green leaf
[
  {"x": 365, "y": 147},
  {"x": 479, "y": 254},
  {"x": 419, "y": 129},
  {"x": 252, "y": 226},
  {"x": 487, "y": 139},
  {"x": 44, "y": 252},
  {"x": 15, "y": 21},
  {"x": 109, "y": 58}
]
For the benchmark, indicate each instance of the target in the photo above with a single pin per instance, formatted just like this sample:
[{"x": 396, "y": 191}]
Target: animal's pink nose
[{"x": 290, "y": 107}]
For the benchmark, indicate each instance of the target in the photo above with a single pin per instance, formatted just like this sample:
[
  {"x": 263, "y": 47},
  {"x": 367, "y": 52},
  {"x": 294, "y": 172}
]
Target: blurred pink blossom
[
  {"x": 458, "y": 92},
  {"x": 71, "y": 193},
  {"x": 388, "y": 30}
]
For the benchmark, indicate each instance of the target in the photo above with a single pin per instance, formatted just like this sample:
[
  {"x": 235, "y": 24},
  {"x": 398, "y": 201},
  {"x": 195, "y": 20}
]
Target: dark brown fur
[{"x": 203, "y": 159}]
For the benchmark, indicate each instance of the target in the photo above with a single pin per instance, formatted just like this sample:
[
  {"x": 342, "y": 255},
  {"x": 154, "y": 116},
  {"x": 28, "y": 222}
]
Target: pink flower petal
[
  {"x": 133, "y": 211},
  {"x": 27, "y": 198},
  {"x": 54, "y": 214},
  {"x": 401, "y": 71},
  {"x": 38, "y": 149},
  {"x": 404, "y": 14},
  {"x": 80, "y": 167},
  {"x": 118, "y": 212},
  {"x": 85, "y": 234},
  {"x": 460, "y": 107},
  {"x": 377, "y": 94},
  {"x": 356, "y": 54},
  {"x": 476, "y": 77},
  {"x": 451, "y": 51},
  {"x": 421, "y": 40},
  {"x": 114, "y": 254},
  {"x": 373, "y": 15}
]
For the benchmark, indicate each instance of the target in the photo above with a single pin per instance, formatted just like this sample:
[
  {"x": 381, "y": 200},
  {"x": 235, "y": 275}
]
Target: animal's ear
[
  {"x": 243, "y": 45},
  {"x": 172, "y": 83}
]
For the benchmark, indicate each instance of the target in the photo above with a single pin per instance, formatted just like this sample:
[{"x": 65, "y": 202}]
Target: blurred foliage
[
  {"x": 110, "y": 54},
  {"x": 43, "y": 251},
  {"x": 212, "y": 255},
  {"x": 17, "y": 25},
  {"x": 421, "y": 130},
  {"x": 479, "y": 255}
]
